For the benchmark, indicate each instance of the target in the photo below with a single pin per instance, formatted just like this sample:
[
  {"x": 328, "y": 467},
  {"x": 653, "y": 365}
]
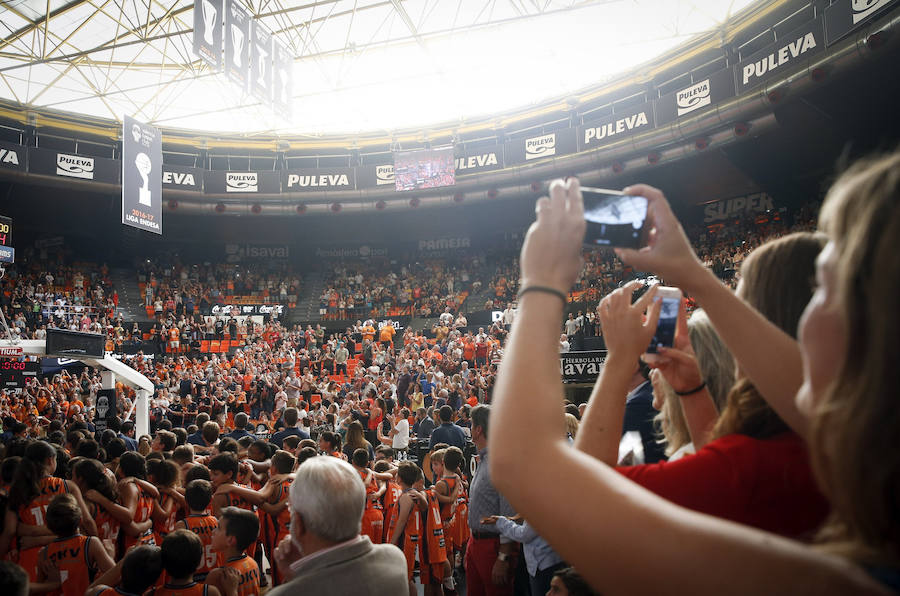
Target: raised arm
[
  {"x": 623, "y": 539},
  {"x": 767, "y": 355},
  {"x": 627, "y": 335}
]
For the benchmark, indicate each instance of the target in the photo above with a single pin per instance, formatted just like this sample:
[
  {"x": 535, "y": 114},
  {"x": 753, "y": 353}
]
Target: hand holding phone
[
  {"x": 613, "y": 218},
  {"x": 668, "y": 318}
]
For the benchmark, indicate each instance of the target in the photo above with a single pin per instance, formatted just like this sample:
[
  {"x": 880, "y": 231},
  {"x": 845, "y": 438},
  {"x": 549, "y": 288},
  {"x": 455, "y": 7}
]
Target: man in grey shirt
[
  {"x": 490, "y": 557},
  {"x": 325, "y": 553}
]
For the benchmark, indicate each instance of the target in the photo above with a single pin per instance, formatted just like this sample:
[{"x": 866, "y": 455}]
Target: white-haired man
[{"x": 325, "y": 553}]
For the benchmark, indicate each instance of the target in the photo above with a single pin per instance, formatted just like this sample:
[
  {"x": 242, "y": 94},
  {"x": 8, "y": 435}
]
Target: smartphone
[
  {"x": 614, "y": 218},
  {"x": 668, "y": 318}
]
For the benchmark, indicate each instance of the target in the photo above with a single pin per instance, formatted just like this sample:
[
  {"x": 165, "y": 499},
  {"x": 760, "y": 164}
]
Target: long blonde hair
[
  {"x": 854, "y": 428},
  {"x": 776, "y": 281},
  {"x": 672, "y": 425},
  {"x": 715, "y": 361}
]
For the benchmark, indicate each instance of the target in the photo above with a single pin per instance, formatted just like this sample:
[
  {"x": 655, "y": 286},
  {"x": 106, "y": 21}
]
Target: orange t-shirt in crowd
[
  {"x": 248, "y": 573},
  {"x": 203, "y": 526}
]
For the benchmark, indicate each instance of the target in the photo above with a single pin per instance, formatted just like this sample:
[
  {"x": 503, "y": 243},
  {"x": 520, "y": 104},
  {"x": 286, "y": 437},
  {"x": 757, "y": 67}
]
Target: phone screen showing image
[
  {"x": 613, "y": 218},
  {"x": 668, "y": 321}
]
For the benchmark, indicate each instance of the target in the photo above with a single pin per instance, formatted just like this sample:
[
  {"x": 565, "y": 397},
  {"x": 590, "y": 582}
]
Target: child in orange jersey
[
  {"x": 373, "y": 516},
  {"x": 32, "y": 489},
  {"x": 182, "y": 553},
  {"x": 391, "y": 496},
  {"x": 238, "y": 529},
  {"x": 198, "y": 494},
  {"x": 137, "y": 571},
  {"x": 90, "y": 474},
  {"x": 165, "y": 476},
  {"x": 451, "y": 494},
  {"x": 435, "y": 572},
  {"x": 78, "y": 558},
  {"x": 406, "y": 529},
  {"x": 274, "y": 514}
]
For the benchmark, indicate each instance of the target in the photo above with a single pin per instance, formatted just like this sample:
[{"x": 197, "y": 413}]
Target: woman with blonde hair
[{"x": 836, "y": 387}]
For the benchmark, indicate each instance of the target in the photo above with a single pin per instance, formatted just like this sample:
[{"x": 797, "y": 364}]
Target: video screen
[
  {"x": 431, "y": 168},
  {"x": 613, "y": 219}
]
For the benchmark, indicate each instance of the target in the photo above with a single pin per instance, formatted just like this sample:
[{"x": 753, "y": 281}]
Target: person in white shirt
[{"x": 563, "y": 343}]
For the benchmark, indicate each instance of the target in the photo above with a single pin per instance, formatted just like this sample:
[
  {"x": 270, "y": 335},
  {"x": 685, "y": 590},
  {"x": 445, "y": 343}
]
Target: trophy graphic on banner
[
  {"x": 209, "y": 21},
  {"x": 262, "y": 55},
  {"x": 144, "y": 165},
  {"x": 102, "y": 406},
  {"x": 237, "y": 36}
]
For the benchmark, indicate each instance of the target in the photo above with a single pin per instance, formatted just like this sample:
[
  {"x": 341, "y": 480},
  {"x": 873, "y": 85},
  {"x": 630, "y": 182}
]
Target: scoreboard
[
  {"x": 14, "y": 374},
  {"x": 7, "y": 252}
]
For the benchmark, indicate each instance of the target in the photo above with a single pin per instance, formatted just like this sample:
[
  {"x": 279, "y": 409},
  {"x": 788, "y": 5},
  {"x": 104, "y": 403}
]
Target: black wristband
[
  {"x": 544, "y": 289},
  {"x": 696, "y": 389}
]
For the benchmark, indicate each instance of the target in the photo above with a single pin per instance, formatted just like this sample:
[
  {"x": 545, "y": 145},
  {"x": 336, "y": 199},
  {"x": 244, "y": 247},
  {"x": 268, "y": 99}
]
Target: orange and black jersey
[
  {"x": 203, "y": 526},
  {"x": 107, "y": 525},
  {"x": 107, "y": 591},
  {"x": 72, "y": 557},
  {"x": 191, "y": 589},
  {"x": 433, "y": 540},
  {"x": 235, "y": 500},
  {"x": 248, "y": 575},
  {"x": 35, "y": 513}
]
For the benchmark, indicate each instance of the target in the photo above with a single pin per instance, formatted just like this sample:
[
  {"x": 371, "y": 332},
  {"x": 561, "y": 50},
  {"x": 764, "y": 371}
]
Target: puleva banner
[{"x": 141, "y": 176}]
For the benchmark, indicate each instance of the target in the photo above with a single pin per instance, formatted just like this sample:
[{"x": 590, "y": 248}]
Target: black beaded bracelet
[
  {"x": 696, "y": 389},
  {"x": 545, "y": 289}
]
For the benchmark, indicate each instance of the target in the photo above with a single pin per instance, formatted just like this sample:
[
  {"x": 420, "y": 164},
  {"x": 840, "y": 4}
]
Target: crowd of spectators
[
  {"x": 42, "y": 291},
  {"x": 382, "y": 289},
  {"x": 170, "y": 286},
  {"x": 307, "y": 392}
]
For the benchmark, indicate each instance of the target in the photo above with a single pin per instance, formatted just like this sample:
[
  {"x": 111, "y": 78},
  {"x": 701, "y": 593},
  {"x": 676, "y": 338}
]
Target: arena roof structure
[{"x": 358, "y": 65}]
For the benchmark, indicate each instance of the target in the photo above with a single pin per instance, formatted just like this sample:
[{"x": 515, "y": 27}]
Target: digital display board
[
  {"x": 432, "y": 168},
  {"x": 7, "y": 252},
  {"x": 14, "y": 374}
]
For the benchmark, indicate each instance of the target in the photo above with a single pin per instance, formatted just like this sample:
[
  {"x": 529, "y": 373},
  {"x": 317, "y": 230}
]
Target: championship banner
[
  {"x": 696, "y": 97},
  {"x": 282, "y": 78},
  {"x": 560, "y": 142},
  {"x": 317, "y": 180},
  {"x": 72, "y": 166},
  {"x": 182, "y": 178},
  {"x": 376, "y": 177},
  {"x": 581, "y": 367},
  {"x": 141, "y": 176},
  {"x": 844, "y": 16},
  {"x": 792, "y": 51},
  {"x": 218, "y": 181},
  {"x": 480, "y": 159},
  {"x": 237, "y": 43},
  {"x": 12, "y": 157},
  {"x": 261, "y": 62},
  {"x": 615, "y": 127},
  {"x": 208, "y": 32}
]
